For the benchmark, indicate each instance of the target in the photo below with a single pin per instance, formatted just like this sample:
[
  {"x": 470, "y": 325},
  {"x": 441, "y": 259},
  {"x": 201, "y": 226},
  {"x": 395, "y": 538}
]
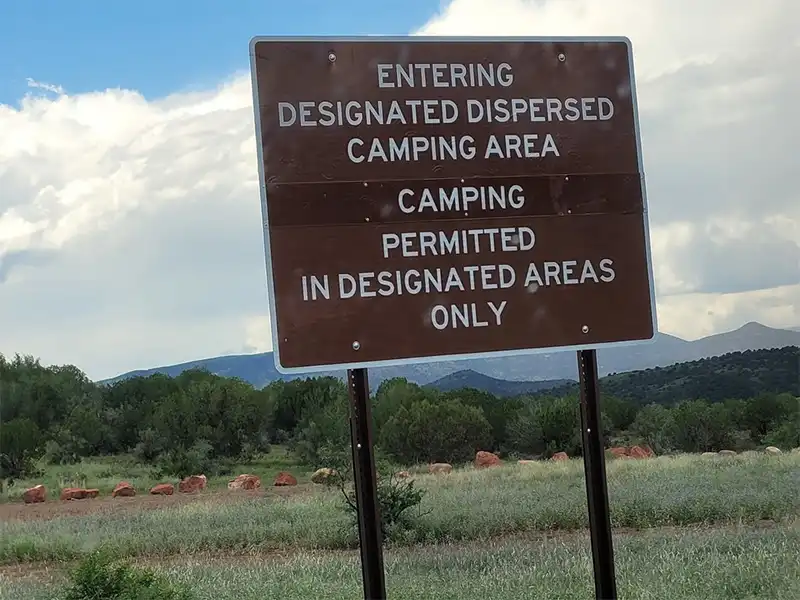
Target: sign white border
[{"x": 411, "y": 39}]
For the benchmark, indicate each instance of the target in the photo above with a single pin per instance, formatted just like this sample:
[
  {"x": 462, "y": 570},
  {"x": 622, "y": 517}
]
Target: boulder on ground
[
  {"x": 71, "y": 493},
  {"x": 524, "y": 461},
  {"x": 640, "y": 452},
  {"x": 284, "y": 479},
  {"x": 726, "y": 453},
  {"x": 163, "y": 489},
  {"x": 485, "y": 459},
  {"x": 440, "y": 468},
  {"x": 191, "y": 484},
  {"x": 323, "y": 475},
  {"x": 245, "y": 482},
  {"x": 124, "y": 489},
  {"x": 619, "y": 452},
  {"x": 560, "y": 456},
  {"x": 772, "y": 450},
  {"x": 37, "y": 493},
  {"x": 402, "y": 475},
  {"x": 708, "y": 454}
]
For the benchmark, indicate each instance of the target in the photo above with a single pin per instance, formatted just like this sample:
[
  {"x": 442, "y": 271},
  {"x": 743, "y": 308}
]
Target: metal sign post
[
  {"x": 369, "y": 518},
  {"x": 594, "y": 465}
]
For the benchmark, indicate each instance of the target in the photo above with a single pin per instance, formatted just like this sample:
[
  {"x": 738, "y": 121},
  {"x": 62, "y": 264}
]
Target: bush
[
  {"x": 396, "y": 497},
  {"x": 63, "y": 449},
  {"x": 97, "y": 577},
  {"x": 786, "y": 435},
  {"x": 21, "y": 448},
  {"x": 183, "y": 462},
  {"x": 436, "y": 431},
  {"x": 149, "y": 446}
]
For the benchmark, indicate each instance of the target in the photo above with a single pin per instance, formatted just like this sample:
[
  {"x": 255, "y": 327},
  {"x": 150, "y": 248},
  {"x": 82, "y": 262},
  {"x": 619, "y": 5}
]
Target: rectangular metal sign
[{"x": 450, "y": 198}]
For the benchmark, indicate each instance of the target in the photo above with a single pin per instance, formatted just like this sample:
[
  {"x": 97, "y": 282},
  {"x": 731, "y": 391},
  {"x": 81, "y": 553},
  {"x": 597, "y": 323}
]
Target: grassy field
[
  {"x": 467, "y": 505},
  {"x": 691, "y": 564},
  {"x": 105, "y": 473}
]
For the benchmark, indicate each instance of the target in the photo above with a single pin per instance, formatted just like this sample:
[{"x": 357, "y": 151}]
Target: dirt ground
[{"x": 18, "y": 511}]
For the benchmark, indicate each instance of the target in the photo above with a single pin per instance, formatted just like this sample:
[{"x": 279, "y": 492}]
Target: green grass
[
  {"x": 740, "y": 563},
  {"x": 104, "y": 473},
  {"x": 467, "y": 505}
]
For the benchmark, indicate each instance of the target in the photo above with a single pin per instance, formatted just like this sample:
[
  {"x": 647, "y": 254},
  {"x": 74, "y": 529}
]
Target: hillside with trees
[
  {"x": 202, "y": 422},
  {"x": 737, "y": 375}
]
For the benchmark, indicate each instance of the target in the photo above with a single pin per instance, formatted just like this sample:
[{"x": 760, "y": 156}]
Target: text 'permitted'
[{"x": 431, "y": 199}]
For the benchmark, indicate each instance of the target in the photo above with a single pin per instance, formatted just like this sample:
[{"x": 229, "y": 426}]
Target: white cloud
[{"x": 130, "y": 230}]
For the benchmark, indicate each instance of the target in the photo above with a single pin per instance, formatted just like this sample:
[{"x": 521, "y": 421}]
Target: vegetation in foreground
[
  {"x": 58, "y": 426},
  {"x": 466, "y": 505},
  {"x": 741, "y": 563}
]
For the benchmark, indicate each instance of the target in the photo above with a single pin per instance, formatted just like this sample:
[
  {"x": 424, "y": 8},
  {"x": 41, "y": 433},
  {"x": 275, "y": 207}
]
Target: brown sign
[{"x": 449, "y": 198}]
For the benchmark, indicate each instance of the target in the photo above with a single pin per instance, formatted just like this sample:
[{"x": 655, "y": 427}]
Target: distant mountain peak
[
  {"x": 755, "y": 325},
  {"x": 527, "y": 370}
]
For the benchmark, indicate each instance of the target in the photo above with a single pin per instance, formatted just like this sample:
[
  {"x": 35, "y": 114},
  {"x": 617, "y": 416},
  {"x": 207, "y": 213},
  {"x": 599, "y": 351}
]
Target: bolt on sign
[{"x": 444, "y": 198}]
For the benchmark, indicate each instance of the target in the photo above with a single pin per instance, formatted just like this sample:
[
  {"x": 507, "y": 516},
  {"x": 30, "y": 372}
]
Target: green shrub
[
  {"x": 396, "y": 496},
  {"x": 97, "y": 577},
  {"x": 22, "y": 448},
  {"x": 182, "y": 462}
]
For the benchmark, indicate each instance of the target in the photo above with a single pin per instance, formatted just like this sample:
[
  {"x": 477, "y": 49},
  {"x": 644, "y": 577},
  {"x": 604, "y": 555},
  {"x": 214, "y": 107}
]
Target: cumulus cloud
[{"x": 130, "y": 230}]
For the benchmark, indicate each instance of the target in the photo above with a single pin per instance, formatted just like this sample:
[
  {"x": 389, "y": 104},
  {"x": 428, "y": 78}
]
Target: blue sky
[{"x": 163, "y": 46}]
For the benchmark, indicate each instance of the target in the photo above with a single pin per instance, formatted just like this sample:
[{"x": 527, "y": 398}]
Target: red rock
[
  {"x": 163, "y": 489},
  {"x": 560, "y": 456},
  {"x": 619, "y": 452},
  {"x": 639, "y": 452},
  {"x": 284, "y": 479},
  {"x": 78, "y": 493},
  {"x": 440, "y": 468},
  {"x": 124, "y": 489},
  {"x": 192, "y": 484},
  {"x": 245, "y": 482},
  {"x": 486, "y": 459},
  {"x": 524, "y": 461},
  {"x": 37, "y": 493}
]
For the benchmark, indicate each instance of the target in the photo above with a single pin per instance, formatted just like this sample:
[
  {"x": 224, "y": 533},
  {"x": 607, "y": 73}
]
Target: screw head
[
  {"x": 585, "y": 329},
  {"x": 356, "y": 345},
  {"x": 332, "y": 56},
  {"x": 562, "y": 57}
]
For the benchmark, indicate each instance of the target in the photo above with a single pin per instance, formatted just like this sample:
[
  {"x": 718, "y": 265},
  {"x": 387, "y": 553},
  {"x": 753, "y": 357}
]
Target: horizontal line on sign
[
  {"x": 447, "y": 219},
  {"x": 464, "y": 177}
]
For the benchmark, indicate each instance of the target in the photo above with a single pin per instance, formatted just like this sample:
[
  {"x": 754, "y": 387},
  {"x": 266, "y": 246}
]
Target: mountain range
[
  {"x": 664, "y": 350},
  {"x": 730, "y": 376}
]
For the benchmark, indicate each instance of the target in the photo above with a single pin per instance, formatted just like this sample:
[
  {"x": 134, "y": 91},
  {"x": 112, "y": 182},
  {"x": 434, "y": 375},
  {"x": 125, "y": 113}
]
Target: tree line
[{"x": 202, "y": 422}]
